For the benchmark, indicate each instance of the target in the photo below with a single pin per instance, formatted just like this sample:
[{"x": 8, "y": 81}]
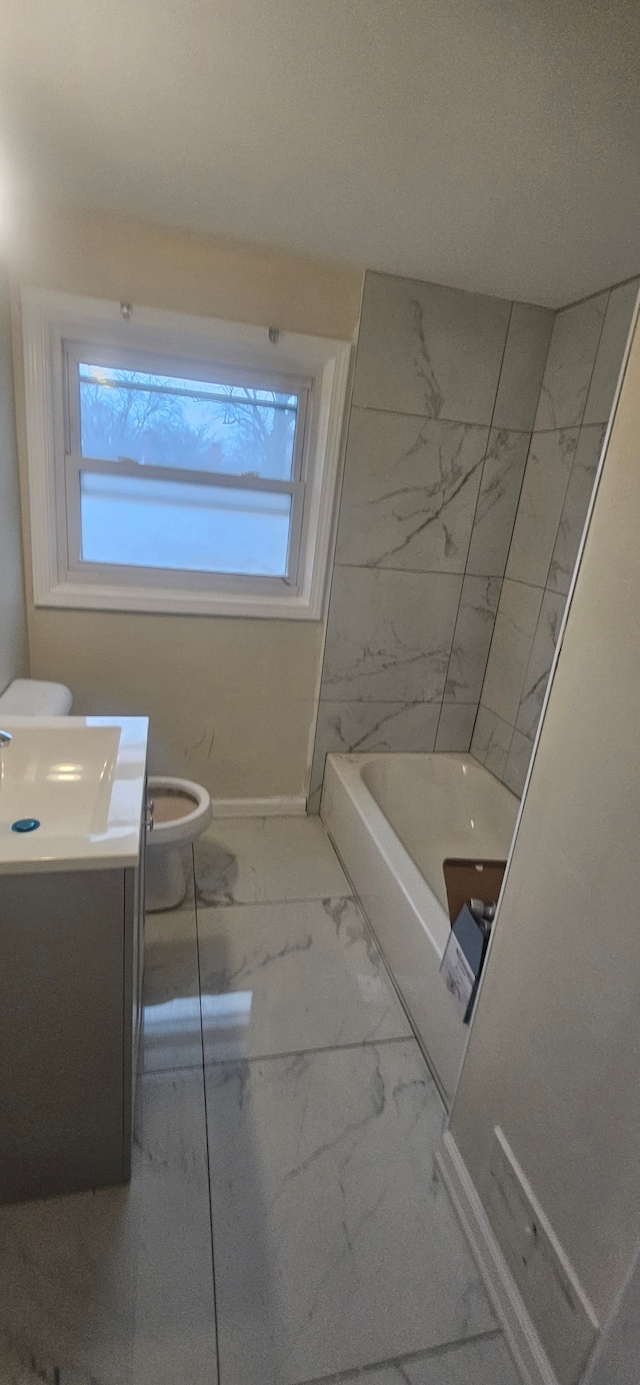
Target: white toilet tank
[{"x": 26, "y": 697}]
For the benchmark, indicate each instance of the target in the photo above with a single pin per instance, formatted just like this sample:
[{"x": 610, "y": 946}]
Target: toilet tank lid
[{"x": 26, "y": 697}]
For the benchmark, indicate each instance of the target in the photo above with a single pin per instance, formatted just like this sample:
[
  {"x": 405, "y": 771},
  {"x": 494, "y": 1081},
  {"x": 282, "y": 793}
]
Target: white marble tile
[
  {"x": 171, "y": 1020},
  {"x": 455, "y": 727},
  {"x": 283, "y": 978},
  {"x": 424, "y": 349},
  {"x": 389, "y": 635},
  {"x": 497, "y": 503},
  {"x": 576, "y": 504},
  {"x": 523, "y": 366},
  {"x": 347, "y": 727},
  {"x": 511, "y": 646},
  {"x": 518, "y": 763},
  {"x": 543, "y": 494},
  {"x": 116, "y": 1287},
  {"x": 610, "y": 352},
  {"x": 472, "y": 638},
  {"x": 572, "y": 353},
  {"x": 409, "y": 493},
  {"x": 537, "y": 675},
  {"x": 485, "y": 1361},
  {"x": 255, "y": 860},
  {"x": 491, "y": 741},
  {"x": 336, "y": 1244}
]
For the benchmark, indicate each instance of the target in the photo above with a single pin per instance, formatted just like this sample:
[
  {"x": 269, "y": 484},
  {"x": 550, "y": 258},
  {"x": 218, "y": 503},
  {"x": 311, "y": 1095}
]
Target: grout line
[
  {"x": 210, "y": 1063},
  {"x": 440, "y": 418},
  {"x": 587, "y": 296},
  {"x": 266, "y": 903},
  {"x": 206, "y": 1128},
  {"x": 409, "y": 1358}
]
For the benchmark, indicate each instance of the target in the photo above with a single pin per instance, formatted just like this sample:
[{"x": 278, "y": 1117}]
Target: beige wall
[
  {"x": 232, "y": 702},
  {"x": 13, "y": 632},
  {"x": 553, "y": 1053}
]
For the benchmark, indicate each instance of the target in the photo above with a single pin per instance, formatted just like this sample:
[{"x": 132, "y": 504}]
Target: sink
[{"x": 82, "y": 779}]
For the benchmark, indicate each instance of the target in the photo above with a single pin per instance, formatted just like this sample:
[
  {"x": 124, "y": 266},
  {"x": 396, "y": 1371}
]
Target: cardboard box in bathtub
[{"x": 473, "y": 888}]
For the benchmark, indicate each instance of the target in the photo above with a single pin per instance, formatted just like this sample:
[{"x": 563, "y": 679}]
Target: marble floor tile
[
  {"x": 282, "y": 978},
  {"x": 500, "y": 488},
  {"x": 523, "y": 365},
  {"x": 409, "y": 493},
  {"x": 572, "y": 353},
  {"x": 336, "y": 1244},
  {"x": 116, "y": 1287},
  {"x": 172, "y": 1036},
  {"x": 484, "y": 1361},
  {"x": 413, "y": 336},
  {"x": 389, "y": 634},
  {"x": 252, "y": 860}
]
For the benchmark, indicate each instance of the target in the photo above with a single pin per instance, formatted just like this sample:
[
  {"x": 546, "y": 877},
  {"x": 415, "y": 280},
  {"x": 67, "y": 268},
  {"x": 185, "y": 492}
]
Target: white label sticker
[{"x": 457, "y": 975}]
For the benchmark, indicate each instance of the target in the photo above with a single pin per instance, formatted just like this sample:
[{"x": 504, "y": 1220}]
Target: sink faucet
[{"x": 5, "y": 737}]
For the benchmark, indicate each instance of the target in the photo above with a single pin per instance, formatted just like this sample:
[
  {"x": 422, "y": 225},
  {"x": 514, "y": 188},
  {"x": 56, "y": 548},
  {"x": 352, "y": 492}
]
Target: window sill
[{"x": 144, "y": 600}]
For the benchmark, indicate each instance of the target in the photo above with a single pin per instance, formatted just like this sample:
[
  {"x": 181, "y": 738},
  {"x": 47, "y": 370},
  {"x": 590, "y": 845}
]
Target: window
[{"x": 178, "y": 464}]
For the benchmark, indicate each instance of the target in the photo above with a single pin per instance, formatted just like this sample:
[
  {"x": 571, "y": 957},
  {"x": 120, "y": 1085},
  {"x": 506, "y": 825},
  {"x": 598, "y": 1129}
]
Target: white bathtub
[{"x": 394, "y": 819}]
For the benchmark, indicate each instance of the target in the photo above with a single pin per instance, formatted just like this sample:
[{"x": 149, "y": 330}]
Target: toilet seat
[{"x": 186, "y": 827}]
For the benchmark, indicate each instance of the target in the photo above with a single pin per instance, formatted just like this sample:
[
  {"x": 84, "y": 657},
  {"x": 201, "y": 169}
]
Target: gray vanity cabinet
[{"x": 71, "y": 964}]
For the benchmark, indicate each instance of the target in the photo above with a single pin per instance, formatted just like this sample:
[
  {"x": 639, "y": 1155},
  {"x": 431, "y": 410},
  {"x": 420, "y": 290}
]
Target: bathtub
[{"x": 394, "y": 819}]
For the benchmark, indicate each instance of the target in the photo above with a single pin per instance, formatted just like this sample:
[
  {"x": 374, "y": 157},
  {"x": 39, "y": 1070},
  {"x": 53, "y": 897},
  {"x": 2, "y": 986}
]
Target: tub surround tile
[
  {"x": 610, "y": 352},
  {"x": 410, "y": 492},
  {"x": 572, "y": 354},
  {"x": 511, "y": 646},
  {"x": 523, "y": 366},
  {"x": 455, "y": 727},
  {"x": 428, "y": 350},
  {"x": 491, "y": 741},
  {"x": 389, "y": 635},
  {"x": 284, "y": 978},
  {"x": 335, "y": 1241},
  {"x": 537, "y": 675},
  {"x": 518, "y": 763},
  {"x": 256, "y": 860},
  {"x": 500, "y": 488},
  {"x": 484, "y": 1361},
  {"x": 116, "y": 1286},
  {"x": 172, "y": 1036},
  {"x": 544, "y": 488},
  {"x": 574, "y": 510},
  {"x": 345, "y": 728},
  {"x": 472, "y": 638}
]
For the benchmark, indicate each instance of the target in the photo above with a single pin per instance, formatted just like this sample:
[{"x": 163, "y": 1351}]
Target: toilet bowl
[{"x": 180, "y": 812}]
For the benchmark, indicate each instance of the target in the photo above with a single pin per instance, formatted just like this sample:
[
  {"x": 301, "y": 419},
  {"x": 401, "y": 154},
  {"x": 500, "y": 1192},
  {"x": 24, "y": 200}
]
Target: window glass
[
  {"x": 163, "y": 420},
  {"x": 144, "y": 522}
]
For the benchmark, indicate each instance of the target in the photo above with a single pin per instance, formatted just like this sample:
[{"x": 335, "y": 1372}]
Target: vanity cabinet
[{"x": 71, "y": 968}]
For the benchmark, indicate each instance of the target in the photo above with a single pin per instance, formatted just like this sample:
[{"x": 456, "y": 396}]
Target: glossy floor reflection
[{"x": 285, "y": 1104}]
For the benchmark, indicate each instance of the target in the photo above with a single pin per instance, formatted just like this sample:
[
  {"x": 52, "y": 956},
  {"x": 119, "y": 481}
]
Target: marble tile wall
[
  {"x": 580, "y": 377},
  {"x": 445, "y": 394}
]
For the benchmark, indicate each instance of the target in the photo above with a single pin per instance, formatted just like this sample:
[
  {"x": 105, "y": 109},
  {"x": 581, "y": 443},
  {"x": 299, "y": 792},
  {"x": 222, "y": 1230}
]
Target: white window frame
[{"x": 52, "y": 324}]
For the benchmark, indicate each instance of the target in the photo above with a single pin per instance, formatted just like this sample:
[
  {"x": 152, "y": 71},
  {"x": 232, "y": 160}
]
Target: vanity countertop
[{"x": 82, "y": 779}]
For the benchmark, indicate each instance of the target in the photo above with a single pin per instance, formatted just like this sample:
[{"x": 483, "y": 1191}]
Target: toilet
[{"x": 179, "y": 809}]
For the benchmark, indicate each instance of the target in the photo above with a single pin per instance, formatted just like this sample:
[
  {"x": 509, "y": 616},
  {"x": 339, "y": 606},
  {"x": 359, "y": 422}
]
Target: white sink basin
[{"x": 82, "y": 779}]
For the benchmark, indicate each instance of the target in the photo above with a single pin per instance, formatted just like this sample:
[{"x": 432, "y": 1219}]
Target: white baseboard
[
  {"x": 295, "y": 806},
  {"x": 530, "y": 1356}
]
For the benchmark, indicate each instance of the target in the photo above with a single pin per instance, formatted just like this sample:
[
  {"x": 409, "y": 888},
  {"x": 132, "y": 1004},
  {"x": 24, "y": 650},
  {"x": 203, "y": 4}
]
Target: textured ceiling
[{"x": 491, "y": 144}]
